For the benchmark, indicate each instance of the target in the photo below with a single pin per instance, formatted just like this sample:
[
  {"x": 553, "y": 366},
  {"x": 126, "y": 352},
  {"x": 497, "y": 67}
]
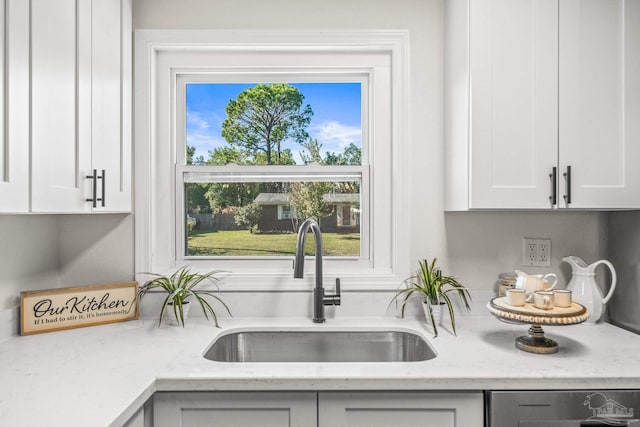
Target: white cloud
[
  {"x": 335, "y": 136},
  {"x": 195, "y": 121},
  {"x": 203, "y": 132},
  {"x": 204, "y": 143}
]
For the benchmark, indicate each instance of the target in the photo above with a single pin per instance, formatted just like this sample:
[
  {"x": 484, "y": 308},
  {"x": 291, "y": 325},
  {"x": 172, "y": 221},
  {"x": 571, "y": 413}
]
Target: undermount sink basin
[{"x": 319, "y": 346}]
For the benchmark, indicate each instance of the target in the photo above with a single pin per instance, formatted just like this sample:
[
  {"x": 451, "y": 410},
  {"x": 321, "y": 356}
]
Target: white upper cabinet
[
  {"x": 60, "y": 104},
  {"x": 537, "y": 88},
  {"x": 600, "y": 102},
  {"x": 14, "y": 106},
  {"x": 81, "y": 106},
  {"x": 111, "y": 102}
]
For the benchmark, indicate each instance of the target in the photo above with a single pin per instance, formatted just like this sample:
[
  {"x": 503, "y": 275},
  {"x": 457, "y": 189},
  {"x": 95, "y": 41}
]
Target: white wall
[
  {"x": 95, "y": 249},
  {"x": 28, "y": 256},
  {"x": 50, "y": 251},
  {"x": 480, "y": 245},
  {"x": 624, "y": 253}
]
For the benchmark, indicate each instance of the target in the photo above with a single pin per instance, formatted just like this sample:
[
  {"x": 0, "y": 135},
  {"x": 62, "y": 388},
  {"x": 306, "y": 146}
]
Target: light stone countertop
[{"x": 100, "y": 376}]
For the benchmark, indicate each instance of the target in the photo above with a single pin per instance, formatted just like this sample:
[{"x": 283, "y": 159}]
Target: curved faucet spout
[
  {"x": 319, "y": 298},
  {"x": 298, "y": 266}
]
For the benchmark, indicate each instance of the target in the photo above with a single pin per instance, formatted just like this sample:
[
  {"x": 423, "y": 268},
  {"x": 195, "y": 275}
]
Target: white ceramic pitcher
[
  {"x": 585, "y": 289},
  {"x": 535, "y": 282}
]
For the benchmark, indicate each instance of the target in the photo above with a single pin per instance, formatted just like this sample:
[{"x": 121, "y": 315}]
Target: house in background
[{"x": 279, "y": 215}]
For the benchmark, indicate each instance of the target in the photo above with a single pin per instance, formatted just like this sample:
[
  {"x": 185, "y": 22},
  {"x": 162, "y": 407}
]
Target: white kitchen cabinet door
[
  {"x": 235, "y": 409},
  {"x": 514, "y": 91},
  {"x": 60, "y": 104},
  {"x": 111, "y": 103},
  {"x": 81, "y": 105},
  {"x": 501, "y": 106},
  {"x": 400, "y": 409},
  {"x": 600, "y": 103},
  {"x": 14, "y": 106},
  {"x": 537, "y": 86}
]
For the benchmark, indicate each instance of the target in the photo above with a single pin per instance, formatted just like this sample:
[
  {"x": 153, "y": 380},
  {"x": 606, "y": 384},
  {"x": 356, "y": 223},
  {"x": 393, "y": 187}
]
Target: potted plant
[
  {"x": 433, "y": 287},
  {"x": 181, "y": 287}
]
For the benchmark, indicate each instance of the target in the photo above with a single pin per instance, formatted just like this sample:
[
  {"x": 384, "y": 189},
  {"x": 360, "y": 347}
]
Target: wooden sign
[{"x": 67, "y": 308}]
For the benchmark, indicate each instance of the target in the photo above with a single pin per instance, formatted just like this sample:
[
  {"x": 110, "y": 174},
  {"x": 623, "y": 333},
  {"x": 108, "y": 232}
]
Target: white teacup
[
  {"x": 562, "y": 298},
  {"x": 516, "y": 297},
  {"x": 543, "y": 299}
]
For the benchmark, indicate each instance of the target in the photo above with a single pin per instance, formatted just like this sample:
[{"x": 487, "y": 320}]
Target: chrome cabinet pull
[
  {"x": 554, "y": 189},
  {"x": 567, "y": 178}
]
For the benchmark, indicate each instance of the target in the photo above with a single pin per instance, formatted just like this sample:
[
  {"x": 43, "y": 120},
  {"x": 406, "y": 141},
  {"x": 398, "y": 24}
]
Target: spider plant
[
  {"x": 181, "y": 286},
  {"x": 433, "y": 288}
]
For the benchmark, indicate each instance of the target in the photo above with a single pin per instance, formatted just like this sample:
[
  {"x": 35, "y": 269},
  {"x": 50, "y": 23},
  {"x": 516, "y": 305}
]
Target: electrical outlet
[
  {"x": 544, "y": 248},
  {"x": 531, "y": 250},
  {"x": 536, "y": 252}
]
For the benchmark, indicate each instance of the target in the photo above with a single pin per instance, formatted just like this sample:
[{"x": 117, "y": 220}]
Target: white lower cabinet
[
  {"x": 400, "y": 409},
  {"x": 235, "y": 409},
  {"x": 323, "y": 409}
]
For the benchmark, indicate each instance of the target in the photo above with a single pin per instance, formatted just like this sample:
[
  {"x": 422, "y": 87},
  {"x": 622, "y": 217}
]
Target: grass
[{"x": 243, "y": 243}]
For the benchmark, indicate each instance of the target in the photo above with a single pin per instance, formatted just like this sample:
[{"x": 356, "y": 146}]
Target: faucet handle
[{"x": 335, "y": 298}]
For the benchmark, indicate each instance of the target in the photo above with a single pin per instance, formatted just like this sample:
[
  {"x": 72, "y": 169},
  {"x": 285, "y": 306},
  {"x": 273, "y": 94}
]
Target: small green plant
[
  {"x": 433, "y": 287},
  {"x": 180, "y": 287}
]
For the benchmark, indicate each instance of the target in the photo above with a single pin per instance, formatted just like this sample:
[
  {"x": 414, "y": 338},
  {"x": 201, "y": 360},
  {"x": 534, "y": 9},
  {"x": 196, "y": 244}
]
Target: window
[
  {"x": 307, "y": 126},
  {"x": 286, "y": 212},
  {"x": 189, "y": 188}
]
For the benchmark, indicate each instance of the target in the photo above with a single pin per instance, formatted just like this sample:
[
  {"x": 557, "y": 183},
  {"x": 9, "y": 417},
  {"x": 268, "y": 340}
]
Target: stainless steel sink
[{"x": 320, "y": 345}]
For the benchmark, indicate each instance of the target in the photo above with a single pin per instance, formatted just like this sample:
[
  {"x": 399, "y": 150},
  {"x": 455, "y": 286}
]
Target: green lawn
[{"x": 243, "y": 243}]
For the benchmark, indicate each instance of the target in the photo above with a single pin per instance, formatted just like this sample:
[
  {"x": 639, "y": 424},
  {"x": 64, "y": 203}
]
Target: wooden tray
[{"x": 528, "y": 313}]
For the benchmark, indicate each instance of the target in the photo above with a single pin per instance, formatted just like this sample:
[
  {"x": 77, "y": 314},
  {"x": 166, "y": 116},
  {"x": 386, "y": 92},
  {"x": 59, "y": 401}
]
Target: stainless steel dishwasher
[{"x": 573, "y": 408}]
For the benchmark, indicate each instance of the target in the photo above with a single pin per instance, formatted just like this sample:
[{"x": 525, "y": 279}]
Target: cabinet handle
[
  {"x": 104, "y": 180},
  {"x": 94, "y": 193},
  {"x": 567, "y": 178},
  {"x": 94, "y": 185},
  {"x": 554, "y": 189}
]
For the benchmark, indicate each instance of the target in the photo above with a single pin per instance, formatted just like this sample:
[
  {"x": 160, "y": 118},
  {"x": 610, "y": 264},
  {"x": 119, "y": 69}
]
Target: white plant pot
[
  {"x": 169, "y": 316},
  {"x": 437, "y": 311}
]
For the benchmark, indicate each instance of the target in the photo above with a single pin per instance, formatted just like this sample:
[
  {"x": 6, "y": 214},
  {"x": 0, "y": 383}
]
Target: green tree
[
  {"x": 248, "y": 216},
  {"x": 226, "y": 155},
  {"x": 195, "y": 192},
  {"x": 197, "y": 200},
  {"x": 286, "y": 158},
  {"x": 307, "y": 198},
  {"x": 352, "y": 155},
  {"x": 191, "y": 151},
  {"x": 223, "y": 195},
  {"x": 313, "y": 154},
  {"x": 261, "y": 118}
]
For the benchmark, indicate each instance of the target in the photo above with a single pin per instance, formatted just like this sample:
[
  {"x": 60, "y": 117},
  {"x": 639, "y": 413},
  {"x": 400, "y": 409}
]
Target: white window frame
[
  {"x": 163, "y": 55},
  {"x": 276, "y": 173},
  {"x": 288, "y": 213}
]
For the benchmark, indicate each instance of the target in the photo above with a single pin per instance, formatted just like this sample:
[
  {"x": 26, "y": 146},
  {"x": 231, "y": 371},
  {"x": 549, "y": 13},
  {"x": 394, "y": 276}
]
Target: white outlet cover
[{"x": 538, "y": 257}]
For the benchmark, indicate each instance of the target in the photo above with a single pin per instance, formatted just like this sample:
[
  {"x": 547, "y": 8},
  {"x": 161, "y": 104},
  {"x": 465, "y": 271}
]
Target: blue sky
[{"x": 336, "y": 120}]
